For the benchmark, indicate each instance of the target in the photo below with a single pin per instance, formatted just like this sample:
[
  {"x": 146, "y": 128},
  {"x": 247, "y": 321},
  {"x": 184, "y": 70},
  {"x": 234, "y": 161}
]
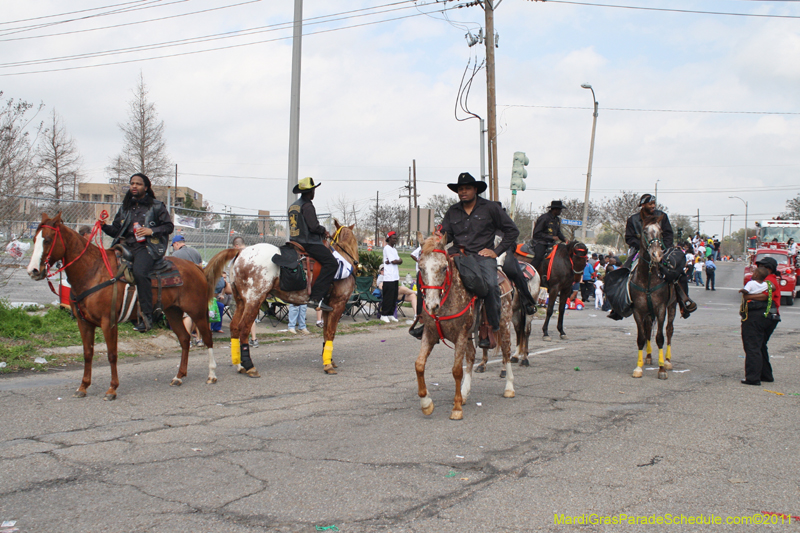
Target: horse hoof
[
  {"x": 427, "y": 409},
  {"x": 175, "y": 382},
  {"x": 662, "y": 374},
  {"x": 546, "y": 338},
  {"x": 480, "y": 369},
  {"x": 330, "y": 369},
  {"x": 637, "y": 373},
  {"x": 79, "y": 394},
  {"x": 564, "y": 338},
  {"x": 211, "y": 381},
  {"x": 509, "y": 394},
  {"x": 456, "y": 415},
  {"x": 110, "y": 397},
  {"x": 514, "y": 359},
  {"x": 253, "y": 373},
  {"x": 502, "y": 374},
  {"x": 668, "y": 365},
  {"x": 648, "y": 360},
  {"x": 524, "y": 362}
]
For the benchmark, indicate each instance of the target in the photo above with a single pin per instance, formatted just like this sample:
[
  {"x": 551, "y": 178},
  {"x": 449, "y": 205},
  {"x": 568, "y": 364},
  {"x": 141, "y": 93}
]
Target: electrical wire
[
  {"x": 73, "y": 12},
  {"x": 672, "y": 10},
  {"x": 659, "y": 110}
]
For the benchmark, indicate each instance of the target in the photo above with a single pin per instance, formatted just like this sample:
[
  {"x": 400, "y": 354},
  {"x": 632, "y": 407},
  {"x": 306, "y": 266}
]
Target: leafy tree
[
  {"x": 58, "y": 162},
  {"x": 683, "y": 227},
  {"x": 145, "y": 149},
  {"x": 792, "y": 209}
]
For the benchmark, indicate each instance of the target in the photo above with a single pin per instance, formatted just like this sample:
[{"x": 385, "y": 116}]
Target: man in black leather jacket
[{"x": 143, "y": 224}]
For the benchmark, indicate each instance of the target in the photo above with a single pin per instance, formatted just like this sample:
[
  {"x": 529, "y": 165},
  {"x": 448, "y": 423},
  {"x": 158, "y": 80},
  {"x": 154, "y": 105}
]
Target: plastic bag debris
[
  {"x": 8, "y": 523},
  {"x": 40, "y": 361},
  {"x": 2, "y": 364}
]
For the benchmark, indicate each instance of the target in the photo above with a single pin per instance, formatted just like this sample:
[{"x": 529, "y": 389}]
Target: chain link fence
[{"x": 208, "y": 232}]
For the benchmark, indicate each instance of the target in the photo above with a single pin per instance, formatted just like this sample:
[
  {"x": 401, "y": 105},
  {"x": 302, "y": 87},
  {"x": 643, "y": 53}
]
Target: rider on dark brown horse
[
  {"x": 633, "y": 231},
  {"x": 471, "y": 224},
  {"x": 304, "y": 228},
  {"x": 546, "y": 232},
  {"x": 143, "y": 224}
]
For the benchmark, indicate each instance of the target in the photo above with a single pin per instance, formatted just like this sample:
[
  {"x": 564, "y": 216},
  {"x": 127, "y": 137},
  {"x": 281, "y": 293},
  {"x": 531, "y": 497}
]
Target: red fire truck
[{"x": 771, "y": 241}]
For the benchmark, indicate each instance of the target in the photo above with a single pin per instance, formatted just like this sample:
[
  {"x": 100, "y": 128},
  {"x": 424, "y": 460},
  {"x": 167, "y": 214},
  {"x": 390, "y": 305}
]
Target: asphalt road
[{"x": 297, "y": 450}]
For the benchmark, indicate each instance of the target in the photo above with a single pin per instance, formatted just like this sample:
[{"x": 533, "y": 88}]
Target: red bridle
[
  {"x": 57, "y": 231},
  {"x": 445, "y": 288}
]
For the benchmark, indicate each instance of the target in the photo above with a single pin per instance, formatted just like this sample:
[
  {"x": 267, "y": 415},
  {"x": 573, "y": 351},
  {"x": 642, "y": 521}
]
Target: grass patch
[{"x": 24, "y": 333}]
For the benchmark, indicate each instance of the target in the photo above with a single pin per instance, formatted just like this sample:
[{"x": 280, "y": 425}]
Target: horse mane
[
  {"x": 653, "y": 219},
  {"x": 430, "y": 244}
]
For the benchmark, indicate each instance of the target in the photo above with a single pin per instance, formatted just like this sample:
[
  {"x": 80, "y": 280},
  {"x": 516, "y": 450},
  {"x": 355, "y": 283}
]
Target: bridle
[
  {"x": 581, "y": 253},
  {"x": 445, "y": 288},
  {"x": 646, "y": 248},
  {"x": 335, "y": 242}
]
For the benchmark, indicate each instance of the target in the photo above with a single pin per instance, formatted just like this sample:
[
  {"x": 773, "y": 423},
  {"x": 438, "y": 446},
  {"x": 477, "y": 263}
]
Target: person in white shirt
[
  {"x": 391, "y": 278},
  {"x": 792, "y": 246},
  {"x": 598, "y": 292}
]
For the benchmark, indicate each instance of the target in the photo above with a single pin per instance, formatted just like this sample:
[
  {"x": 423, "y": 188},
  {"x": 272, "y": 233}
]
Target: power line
[
  {"x": 660, "y": 110},
  {"x": 672, "y": 10},
  {"x": 208, "y": 49},
  {"x": 72, "y": 12}
]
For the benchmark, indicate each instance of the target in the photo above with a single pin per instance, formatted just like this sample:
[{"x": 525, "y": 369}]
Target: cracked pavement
[{"x": 297, "y": 449}]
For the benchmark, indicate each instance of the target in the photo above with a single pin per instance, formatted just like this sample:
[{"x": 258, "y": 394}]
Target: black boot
[{"x": 145, "y": 324}]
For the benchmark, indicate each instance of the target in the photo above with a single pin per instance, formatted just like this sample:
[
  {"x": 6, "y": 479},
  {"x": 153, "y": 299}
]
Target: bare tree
[
  {"x": 617, "y": 210},
  {"x": 344, "y": 210},
  {"x": 17, "y": 171},
  {"x": 573, "y": 210},
  {"x": 440, "y": 203},
  {"x": 792, "y": 209},
  {"x": 683, "y": 227},
  {"x": 390, "y": 217},
  {"x": 145, "y": 149},
  {"x": 58, "y": 162}
]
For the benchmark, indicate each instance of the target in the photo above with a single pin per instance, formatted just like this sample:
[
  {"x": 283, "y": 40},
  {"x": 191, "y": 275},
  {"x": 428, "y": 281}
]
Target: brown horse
[
  {"x": 86, "y": 270},
  {"x": 559, "y": 271},
  {"x": 449, "y": 314},
  {"x": 653, "y": 298},
  {"x": 522, "y": 321},
  {"x": 254, "y": 276}
]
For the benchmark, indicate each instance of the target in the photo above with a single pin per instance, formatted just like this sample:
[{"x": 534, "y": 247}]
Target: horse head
[
  {"x": 652, "y": 241},
  {"x": 578, "y": 255},
  {"x": 48, "y": 246},
  {"x": 434, "y": 270},
  {"x": 345, "y": 239}
]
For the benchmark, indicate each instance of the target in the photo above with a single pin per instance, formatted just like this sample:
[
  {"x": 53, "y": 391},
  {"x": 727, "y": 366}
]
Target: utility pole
[
  {"x": 698, "y": 220},
  {"x": 414, "y": 166},
  {"x": 377, "y": 200},
  {"x": 294, "y": 106},
  {"x": 409, "y": 195},
  {"x": 491, "y": 99}
]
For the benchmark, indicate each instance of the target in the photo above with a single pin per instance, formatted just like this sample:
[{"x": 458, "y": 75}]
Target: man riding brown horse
[
  {"x": 304, "y": 228},
  {"x": 633, "y": 232},
  {"x": 143, "y": 224},
  {"x": 471, "y": 225},
  {"x": 546, "y": 232}
]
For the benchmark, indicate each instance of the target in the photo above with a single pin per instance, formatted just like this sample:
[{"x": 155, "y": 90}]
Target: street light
[
  {"x": 591, "y": 156},
  {"x": 744, "y": 253}
]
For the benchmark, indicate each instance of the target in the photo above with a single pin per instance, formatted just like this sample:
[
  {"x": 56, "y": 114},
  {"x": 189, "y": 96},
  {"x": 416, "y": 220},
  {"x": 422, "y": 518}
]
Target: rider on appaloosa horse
[
  {"x": 144, "y": 224},
  {"x": 546, "y": 232},
  {"x": 471, "y": 224},
  {"x": 305, "y": 229},
  {"x": 633, "y": 230}
]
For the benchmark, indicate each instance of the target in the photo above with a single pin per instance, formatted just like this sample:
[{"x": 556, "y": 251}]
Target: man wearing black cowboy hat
[
  {"x": 546, "y": 232},
  {"x": 143, "y": 224},
  {"x": 304, "y": 228},
  {"x": 471, "y": 225},
  {"x": 633, "y": 231}
]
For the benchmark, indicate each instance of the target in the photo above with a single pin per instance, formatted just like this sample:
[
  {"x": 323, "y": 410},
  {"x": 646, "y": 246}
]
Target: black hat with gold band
[{"x": 305, "y": 185}]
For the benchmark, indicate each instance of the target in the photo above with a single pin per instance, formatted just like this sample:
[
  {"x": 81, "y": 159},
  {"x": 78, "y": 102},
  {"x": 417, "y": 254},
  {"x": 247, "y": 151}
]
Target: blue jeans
[
  {"x": 217, "y": 326},
  {"x": 698, "y": 278},
  {"x": 297, "y": 316}
]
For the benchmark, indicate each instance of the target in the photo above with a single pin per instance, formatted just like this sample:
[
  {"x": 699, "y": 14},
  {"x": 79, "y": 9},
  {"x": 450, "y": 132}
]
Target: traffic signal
[{"x": 518, "y": 172}]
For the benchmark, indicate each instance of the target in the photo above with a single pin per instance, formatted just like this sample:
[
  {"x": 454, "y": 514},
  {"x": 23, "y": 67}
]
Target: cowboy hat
[
  {"x": 305, "y": 185},
  {"x": 465, "y": 178},
  {"x": 556, "y": 204}
]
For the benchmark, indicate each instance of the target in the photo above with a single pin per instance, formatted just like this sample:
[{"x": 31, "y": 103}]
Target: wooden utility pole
[
  {"x": 414, "y": 166},
  {"x": 491, "y": 100},
  {"x": 377, "y": 202}
]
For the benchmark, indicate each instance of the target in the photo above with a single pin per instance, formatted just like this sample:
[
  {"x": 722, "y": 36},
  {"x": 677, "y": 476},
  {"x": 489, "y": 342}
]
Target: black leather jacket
[
  {"x": 633, "y": 229},
  {"x": 154, "y": 216}
]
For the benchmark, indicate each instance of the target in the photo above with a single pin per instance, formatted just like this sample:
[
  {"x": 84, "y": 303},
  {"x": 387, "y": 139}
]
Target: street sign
[{"x": 568, "y": 222}]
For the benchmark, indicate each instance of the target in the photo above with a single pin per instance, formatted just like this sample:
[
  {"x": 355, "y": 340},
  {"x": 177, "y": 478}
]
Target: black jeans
[
  {"x": 710, "y": 278},
  {"x": 389, "y": 302},
  {"x": 756, "y": 331},
  {"x": 492, "y": 301},
  {"x": 142, "y": 267},
  {"x": 325, "y": 258},
  {"x": 587, "y": 287},
  {"x": 512, "y": 269}
]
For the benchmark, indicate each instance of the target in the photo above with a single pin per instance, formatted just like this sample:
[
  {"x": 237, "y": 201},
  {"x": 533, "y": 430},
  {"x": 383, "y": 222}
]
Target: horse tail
[{"x": 214, "y": 268}]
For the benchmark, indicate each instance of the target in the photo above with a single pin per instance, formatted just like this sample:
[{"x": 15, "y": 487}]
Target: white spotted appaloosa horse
[
  {"x": 254, "y": 276},
  {"x": 449, "y": 314}
]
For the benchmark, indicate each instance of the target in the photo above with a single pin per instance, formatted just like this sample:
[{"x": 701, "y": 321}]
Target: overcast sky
[{"x": 375, "y": 97}]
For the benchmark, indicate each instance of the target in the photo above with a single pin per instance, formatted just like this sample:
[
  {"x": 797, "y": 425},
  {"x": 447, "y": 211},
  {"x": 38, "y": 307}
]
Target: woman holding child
[{"x": 761, "y": 298}]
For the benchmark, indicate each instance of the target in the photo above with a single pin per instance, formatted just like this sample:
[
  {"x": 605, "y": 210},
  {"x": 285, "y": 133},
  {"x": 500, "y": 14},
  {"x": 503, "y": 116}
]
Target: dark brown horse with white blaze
[
  {"x": 449, "y": 314},
  {"x": 85, "y": 269},
  {"x": 653, "y": 298},
  {"x": 559, "y": 274},
  {"x": 254, "y": 276}
]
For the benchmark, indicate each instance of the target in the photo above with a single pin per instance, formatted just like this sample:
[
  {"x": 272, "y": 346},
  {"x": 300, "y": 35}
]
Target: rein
[
  {"x": 445, "y": 288},
  {"x": 335, "y": 241},
  {"x": 57, "y": 231}
]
